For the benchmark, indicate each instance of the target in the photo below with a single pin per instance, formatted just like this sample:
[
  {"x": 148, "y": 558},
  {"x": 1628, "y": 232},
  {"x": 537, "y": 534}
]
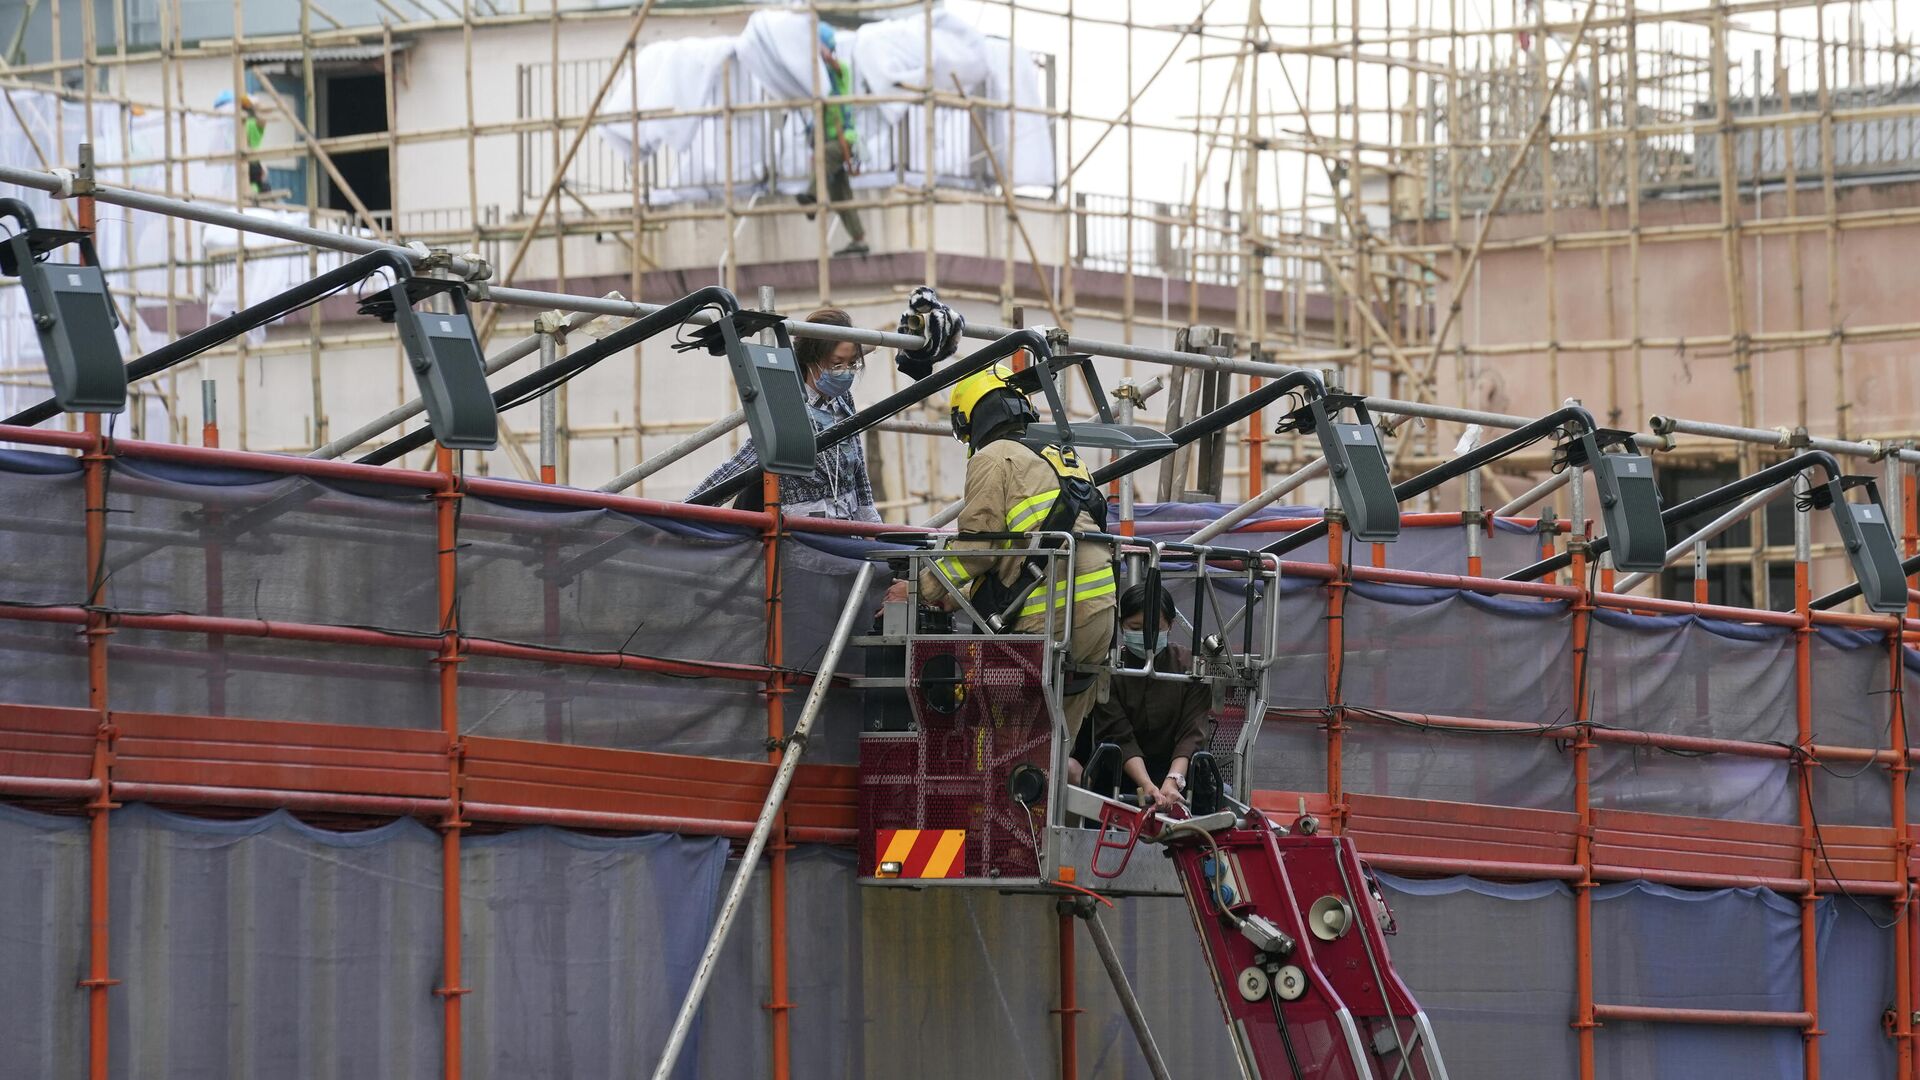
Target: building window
[{"x": 1730, "y": 578}]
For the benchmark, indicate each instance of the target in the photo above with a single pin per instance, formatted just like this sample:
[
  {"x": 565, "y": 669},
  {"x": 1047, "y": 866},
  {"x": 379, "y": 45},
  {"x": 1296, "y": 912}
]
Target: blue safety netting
[
  {"x": 271, "y": 947},
  {"x": 579, "y": 948},
  {"x": 43, "y": 944},
  {"x": 246, "y": 948},
  {"x": 1431, "y": 549},
  {"x": 1492, "y": 964},
  {"x": 268, "y": 947}
]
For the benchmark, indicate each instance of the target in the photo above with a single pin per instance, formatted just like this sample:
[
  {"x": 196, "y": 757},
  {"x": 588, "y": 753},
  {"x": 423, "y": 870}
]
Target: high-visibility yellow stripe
[
  {"x": 1085, "y": 587},
  {"x": 1031, "y": 510},
  {"x": 1098, "y": 590},
  {"x": 1058, "y": 600},
  {"x": 951, "y": 841},
  {"x": 1032, "y": 521},
  {"x": 1104, "y": 575},
  {"x": 954, "y": 569},
  {"x": 1030, "y": 501},
  {"x": 900, "y": 846}
]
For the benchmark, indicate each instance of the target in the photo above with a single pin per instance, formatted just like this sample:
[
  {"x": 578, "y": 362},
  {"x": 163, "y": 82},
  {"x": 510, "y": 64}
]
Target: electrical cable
[
  {"x": 1286, "y": 1037},
  {"x": 534, "y": 393},
  {"x": 1820, "y": 843},
  {"x": 1897, "y": 689}
]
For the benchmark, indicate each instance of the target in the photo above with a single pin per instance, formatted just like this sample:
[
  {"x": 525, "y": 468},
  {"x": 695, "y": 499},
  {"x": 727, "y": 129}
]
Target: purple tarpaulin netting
[
  {"x": 1432, "y": 549},
  {"x": 1478, "y": 959},
  {"x": 1688, "y": 676},
  {"x": 268, "y": 947},
  {"x": 43, "y": 944},
  {"x": 1680, "y": 948},
  {"x": 250, "y": 947},
  {"x": 579, "y": 948}
]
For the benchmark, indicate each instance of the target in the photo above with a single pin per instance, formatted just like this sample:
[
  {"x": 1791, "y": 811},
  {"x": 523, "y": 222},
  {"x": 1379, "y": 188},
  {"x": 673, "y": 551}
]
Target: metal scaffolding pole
[
  {"x": 1664, "y": 425},
  {"x": 1712, "y": 529},
  {"x": 855, "y": 607},
  {"x": 674, "y": 453},
  {"x": 1129, "y": 1004},
  {"x": 548, "y": 334},
  {"x": 1232, "y": 518},
  {"x": 535, "y": 298},
  {"x": 386, "y": 422},
  {"x": 1535, "y": 493},
  {"x": 61, "y": 184}
]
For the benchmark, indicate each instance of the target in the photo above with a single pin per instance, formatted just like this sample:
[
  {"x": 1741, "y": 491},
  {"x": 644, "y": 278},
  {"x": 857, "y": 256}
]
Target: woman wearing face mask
[
  {"x": 1157, "y": 723},
  {"x": 838, "y": 486}
]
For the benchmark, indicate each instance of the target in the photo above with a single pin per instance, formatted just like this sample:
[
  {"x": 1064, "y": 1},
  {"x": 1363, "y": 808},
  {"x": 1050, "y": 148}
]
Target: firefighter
[
  {"x": 1014, "y": 488},
  {"x": 1158, "y": 724}
]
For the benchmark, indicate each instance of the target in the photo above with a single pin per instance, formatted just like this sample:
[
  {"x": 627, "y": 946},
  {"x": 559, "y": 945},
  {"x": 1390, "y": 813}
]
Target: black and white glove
[{"x": 942, "y": 326}]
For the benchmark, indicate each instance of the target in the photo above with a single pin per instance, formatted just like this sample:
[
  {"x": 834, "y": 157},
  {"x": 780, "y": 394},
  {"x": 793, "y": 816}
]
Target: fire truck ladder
[{"x": 1294, "y": 932}]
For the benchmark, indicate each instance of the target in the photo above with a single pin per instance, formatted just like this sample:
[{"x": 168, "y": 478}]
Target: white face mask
[{"x": 1136, "y": 642}]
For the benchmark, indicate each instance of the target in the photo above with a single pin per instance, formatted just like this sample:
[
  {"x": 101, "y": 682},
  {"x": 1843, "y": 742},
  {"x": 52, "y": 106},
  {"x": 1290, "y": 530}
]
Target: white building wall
[{"x": 672, "y": 393}]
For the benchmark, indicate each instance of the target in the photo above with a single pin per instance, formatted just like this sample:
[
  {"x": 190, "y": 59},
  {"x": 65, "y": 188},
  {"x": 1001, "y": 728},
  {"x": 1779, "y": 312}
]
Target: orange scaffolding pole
[
  {"x": 1069, "y": 1009},
  {"x": 1903, "y": 988},
  {"x": 777, "y": 1004},
  {"x": 448, "y": 658},
  {"x": 1337, "y": 586},
  {"x": 1912, "y": 494},
  {"x": 214, "y": 560},
  {"x": 1803, "y": 770},
  {"x": 1647, "y": 1014},
  {"x": 94, "y": 463},
  {"x": 1256, "y": 441},
  {"x": 1584, "y": 1022}
]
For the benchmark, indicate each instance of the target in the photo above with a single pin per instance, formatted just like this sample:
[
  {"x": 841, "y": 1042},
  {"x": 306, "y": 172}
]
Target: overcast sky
[{"x": 1198, "y": 80}]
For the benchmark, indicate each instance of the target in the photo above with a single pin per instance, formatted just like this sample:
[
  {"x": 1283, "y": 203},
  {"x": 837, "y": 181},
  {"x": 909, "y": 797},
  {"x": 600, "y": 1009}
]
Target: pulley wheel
[
  {"x": 1253, "y": 983},
  {"x": 1290, "y": 983}
]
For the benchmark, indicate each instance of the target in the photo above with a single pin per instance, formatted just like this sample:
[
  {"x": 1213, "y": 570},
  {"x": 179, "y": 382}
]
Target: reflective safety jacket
[{"x": 1010, "y": 488}]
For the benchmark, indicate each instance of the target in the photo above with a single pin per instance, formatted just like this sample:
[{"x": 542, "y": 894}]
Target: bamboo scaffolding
[
  {"x": 1569, "y": 175},
  {"x": 1382, "y": 130}
]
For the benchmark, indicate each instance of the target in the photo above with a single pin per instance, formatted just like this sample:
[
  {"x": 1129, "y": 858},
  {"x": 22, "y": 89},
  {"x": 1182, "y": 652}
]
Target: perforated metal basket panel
[
  {"x": 1228, "y": 723},
  {"x": 952, "y": 771}
]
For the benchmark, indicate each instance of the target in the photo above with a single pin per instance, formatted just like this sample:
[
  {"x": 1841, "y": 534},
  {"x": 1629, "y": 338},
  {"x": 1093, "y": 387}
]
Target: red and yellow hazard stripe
[{"x": 921, "y": 853}]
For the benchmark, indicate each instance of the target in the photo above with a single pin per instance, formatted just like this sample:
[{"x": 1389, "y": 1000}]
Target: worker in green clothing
[
  {"x": 838, "y": 143},
  {"x": 256, "y": 131}
]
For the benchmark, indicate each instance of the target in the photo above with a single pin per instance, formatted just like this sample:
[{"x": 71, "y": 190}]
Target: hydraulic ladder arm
[{"x": 1293, "y": 930}]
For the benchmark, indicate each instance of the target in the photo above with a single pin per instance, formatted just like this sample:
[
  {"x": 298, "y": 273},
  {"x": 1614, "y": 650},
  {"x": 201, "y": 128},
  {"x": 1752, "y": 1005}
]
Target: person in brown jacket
[
  {"x": 1157, "y": 723},
  {"x": 1012, "y": 488}
]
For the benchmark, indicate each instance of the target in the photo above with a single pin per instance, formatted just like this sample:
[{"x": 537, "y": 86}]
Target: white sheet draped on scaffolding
[
  {"x": 40, "y": 131},
  {"x": 683, "y": 84}
]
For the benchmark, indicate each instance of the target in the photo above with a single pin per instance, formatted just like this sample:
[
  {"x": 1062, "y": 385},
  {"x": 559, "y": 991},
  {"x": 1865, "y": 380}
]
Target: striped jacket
[{"x": 838, "y": 487}]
